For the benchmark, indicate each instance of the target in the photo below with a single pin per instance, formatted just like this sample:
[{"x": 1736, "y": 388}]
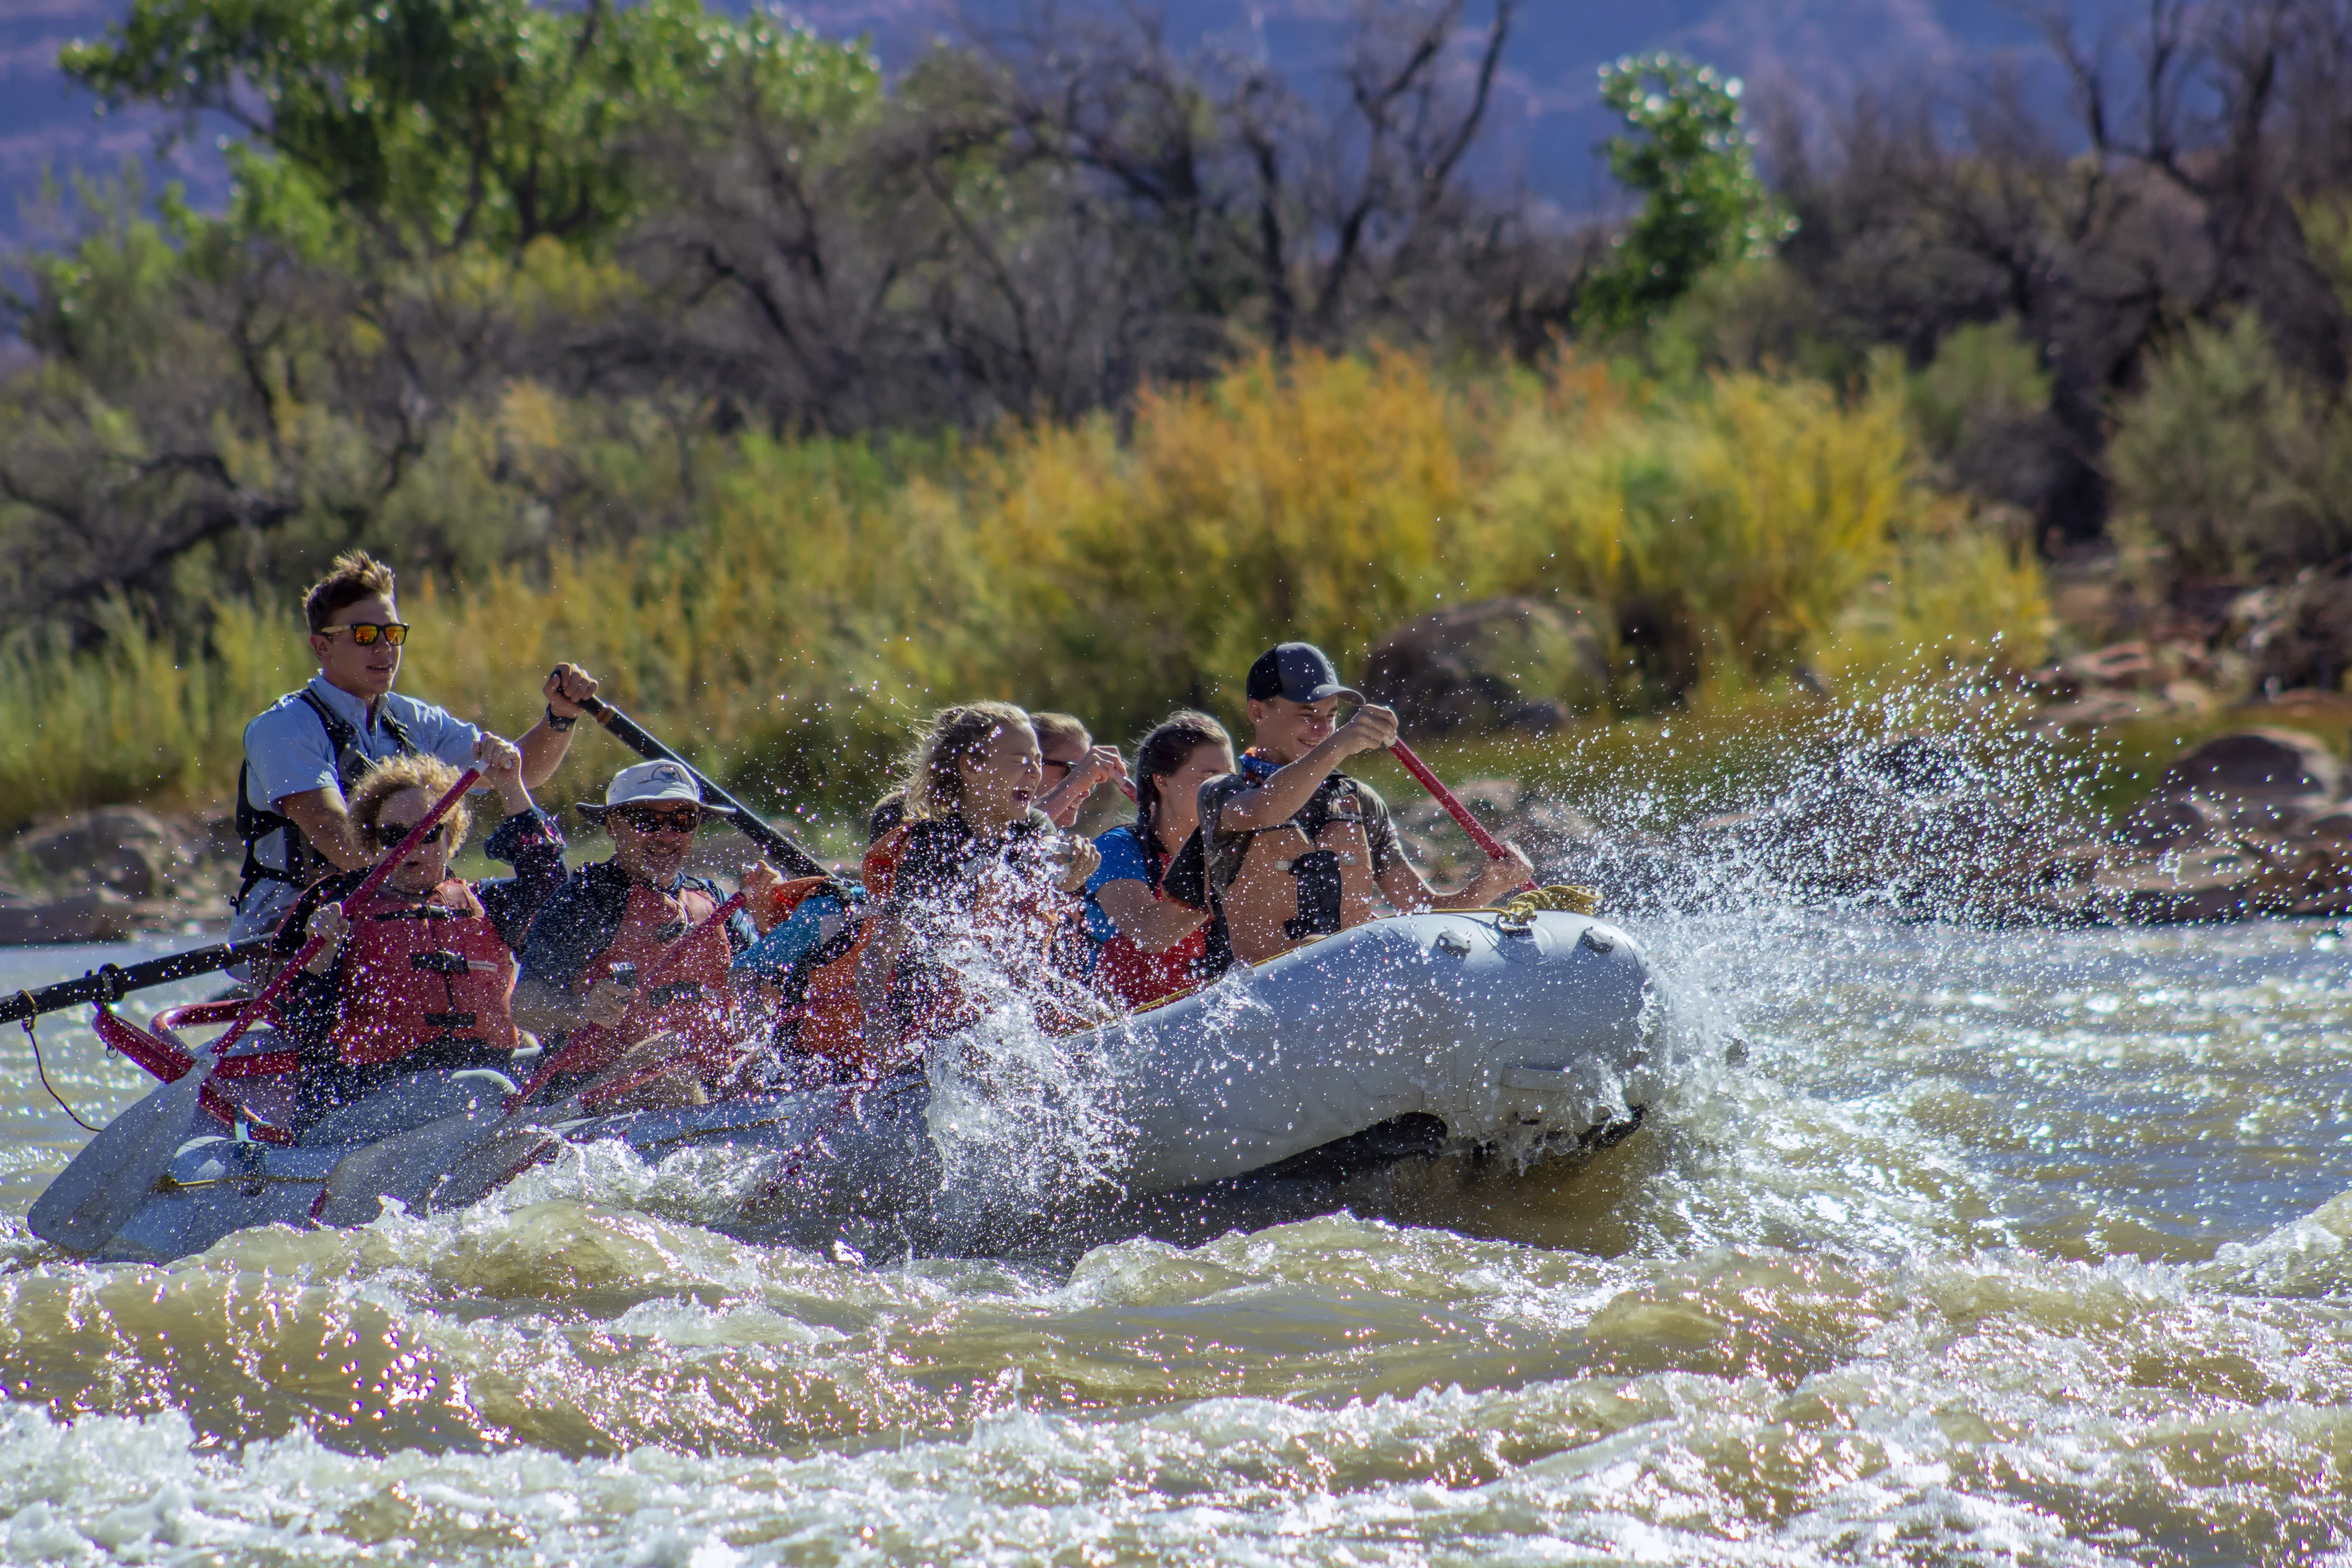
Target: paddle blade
[
  {"x": 492, "y": 1164},
  {"x": 406, "y": 1165},
  {"x": 95, "y": 1196}
]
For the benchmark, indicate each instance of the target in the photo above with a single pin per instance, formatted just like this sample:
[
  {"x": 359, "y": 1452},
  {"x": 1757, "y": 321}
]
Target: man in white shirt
[{"x": 306, "y": 751}]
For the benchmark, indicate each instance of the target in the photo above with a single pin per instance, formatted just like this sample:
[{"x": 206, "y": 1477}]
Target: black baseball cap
[{"x": 1299, "y": 671}]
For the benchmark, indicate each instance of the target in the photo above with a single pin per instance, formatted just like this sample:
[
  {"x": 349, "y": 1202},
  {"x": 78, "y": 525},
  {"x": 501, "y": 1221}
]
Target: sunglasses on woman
[
  {"x": 387, "y": 834},
  {"x": 364, "y": 633},
  {"x": 653, "y": 820}
]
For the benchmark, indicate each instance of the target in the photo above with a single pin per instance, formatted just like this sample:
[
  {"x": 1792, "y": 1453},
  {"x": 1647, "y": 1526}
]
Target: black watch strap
[{"x": 556, "y": 722}]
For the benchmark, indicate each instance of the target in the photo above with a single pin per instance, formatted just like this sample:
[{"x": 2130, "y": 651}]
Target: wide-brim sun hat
[{"x": 650, "y": 784}]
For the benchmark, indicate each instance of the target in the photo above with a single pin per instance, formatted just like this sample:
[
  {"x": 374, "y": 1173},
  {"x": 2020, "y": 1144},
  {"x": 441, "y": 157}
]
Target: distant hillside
[{"x": 1545, "y": 130}]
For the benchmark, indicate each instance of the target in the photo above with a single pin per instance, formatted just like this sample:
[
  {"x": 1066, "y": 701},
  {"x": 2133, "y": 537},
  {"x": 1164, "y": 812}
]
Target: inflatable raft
[{"x": 1531, "y": 1037}]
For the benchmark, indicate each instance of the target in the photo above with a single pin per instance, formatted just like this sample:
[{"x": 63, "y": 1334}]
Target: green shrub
[{"x": 2226, "y": 464}]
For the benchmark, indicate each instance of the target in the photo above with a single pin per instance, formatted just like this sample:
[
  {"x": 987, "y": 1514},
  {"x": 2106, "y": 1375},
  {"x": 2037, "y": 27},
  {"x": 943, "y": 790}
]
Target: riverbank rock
[
  {"x": 100, "y": 875},
  {"x": 2267, "y": 778},
  {"x": 1551, "y": 835},
  {"x": 1499, "y": 664}
]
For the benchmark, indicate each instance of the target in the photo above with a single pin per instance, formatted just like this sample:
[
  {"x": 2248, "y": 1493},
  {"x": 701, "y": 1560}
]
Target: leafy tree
[
  {"x": 437, "y": 124},
  {"x": 1690, "y": 159}
]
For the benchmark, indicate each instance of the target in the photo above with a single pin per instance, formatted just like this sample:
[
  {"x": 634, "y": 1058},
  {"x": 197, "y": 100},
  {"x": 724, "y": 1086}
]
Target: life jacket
[
  {"x": 830, "y": 1021},
  {"x": 304, "y": 865},
  {"x": 1013, "y": 918},
  {"x": 422, "y": 973},
  {"x": 1137, "y": 979},
  {"x": 691, "y": 996}
]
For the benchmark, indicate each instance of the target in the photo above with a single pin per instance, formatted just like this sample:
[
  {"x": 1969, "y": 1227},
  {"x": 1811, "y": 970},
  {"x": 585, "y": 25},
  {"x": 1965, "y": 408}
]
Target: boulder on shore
[
  {"x": 1498, "y": 664},
  {"x": 2267, "y": 778}
]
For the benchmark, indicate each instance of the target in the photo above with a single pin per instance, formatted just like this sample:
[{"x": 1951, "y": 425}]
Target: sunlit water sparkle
[{"x": 2001, "y": 1248}]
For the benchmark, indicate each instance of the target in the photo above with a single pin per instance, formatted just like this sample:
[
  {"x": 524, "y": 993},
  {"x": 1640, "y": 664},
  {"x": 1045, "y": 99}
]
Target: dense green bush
[{"x": 2227, "y": 463}]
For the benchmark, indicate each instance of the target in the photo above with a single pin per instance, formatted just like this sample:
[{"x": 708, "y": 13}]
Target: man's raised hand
[
  {"x": 329, "y": 921},
  {"x": 568, "y": 686},
  {"x": 501, "y": 764},
  {"x": 761, "y": 883},
  {"x": 1373, "y": 729}
]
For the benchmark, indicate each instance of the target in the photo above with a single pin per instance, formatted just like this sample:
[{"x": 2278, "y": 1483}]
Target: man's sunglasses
[
  {"x": 1067, "y": 768},
  {"x": 387, "y": 834},
  {"x": 654, "y": 820},
  {"x": 364, "y": 633}
]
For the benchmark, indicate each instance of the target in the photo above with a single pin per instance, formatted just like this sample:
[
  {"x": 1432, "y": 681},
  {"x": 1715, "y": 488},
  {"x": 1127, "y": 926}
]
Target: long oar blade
[
  {"x": 406, "y": 1165},
  {"x": 95, "y": 1196}
]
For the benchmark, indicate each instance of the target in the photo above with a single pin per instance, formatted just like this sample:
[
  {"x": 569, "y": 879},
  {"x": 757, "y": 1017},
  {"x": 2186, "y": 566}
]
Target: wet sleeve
[
  {"x": 289, "y": 754},
  {"x": 532, "y": 842},
  {"x": 569, "y": 932},
  {"x": 816, "y": 920},
  {"x": 1220, "y": 861},
  {"x": 1122, "y": 861}
]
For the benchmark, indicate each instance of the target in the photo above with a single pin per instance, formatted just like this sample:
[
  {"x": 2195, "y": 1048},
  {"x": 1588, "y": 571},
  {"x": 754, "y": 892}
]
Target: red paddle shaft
[
  {"x": 375, "y": 879},
  {"x": 1453, "y": 808}
]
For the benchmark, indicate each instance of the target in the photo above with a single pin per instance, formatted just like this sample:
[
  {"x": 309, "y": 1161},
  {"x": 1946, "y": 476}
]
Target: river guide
[{"x": 304, "y": 755}]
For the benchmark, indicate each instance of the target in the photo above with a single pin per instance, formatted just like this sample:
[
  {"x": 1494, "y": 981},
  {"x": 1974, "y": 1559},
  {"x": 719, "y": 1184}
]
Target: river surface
[{"x": 1999, "y": 1247}]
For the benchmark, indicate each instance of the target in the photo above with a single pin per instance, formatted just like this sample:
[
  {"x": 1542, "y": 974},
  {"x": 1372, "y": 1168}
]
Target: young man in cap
[
  {"x": 589, "y": 985},
  {"x": 1290, "y": 845},
  {"x": 303, "y": 756}
]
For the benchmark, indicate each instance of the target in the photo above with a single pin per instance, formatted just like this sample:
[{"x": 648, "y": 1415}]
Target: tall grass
[{"x": 828, "y": 594}]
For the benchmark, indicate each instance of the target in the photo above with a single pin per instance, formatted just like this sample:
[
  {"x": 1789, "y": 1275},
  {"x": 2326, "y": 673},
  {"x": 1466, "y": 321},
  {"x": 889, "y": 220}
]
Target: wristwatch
[{"x": 556, "y": 722}]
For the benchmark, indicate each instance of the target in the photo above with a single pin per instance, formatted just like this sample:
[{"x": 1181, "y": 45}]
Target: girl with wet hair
[
  {"x": 975, "y": 868},
  {"x": 1146, "y": 903}
]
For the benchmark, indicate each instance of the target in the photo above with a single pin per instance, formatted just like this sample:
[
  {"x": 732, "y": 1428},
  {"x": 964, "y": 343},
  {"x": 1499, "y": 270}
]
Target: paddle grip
[
  {"x": 111, "y": 983},
  {"x": 1453, "y": 808},
  {"x": 756, "y": 828},
  {"x": 369, "y": 884}
]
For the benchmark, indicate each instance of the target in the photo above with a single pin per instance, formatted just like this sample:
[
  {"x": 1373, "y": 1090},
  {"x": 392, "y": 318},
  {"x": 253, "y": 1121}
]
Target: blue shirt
[
  {"x": 287, "y": 752},
  {"x": 1122, "y": 861}
]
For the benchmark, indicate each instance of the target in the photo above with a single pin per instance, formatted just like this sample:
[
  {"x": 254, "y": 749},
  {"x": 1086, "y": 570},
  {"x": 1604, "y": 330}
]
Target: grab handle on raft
[
  {"x": 1453, "y": 808},
  {"x": 756, "y": 828}
]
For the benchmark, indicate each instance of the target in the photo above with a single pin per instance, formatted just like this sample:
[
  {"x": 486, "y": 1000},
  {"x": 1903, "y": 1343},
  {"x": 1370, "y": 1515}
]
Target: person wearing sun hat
[
  {"x": 588, "y": 986},
  {"x": 1291, "y": 846}
]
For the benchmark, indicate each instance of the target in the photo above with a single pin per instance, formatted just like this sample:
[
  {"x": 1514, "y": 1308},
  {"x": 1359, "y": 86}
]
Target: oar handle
[
  {"x": 757, "y": 828},
  {"x": 369, "y": 884},
  {"x": 112, "y": 981},
  {"x": 1453, "y": 808}
]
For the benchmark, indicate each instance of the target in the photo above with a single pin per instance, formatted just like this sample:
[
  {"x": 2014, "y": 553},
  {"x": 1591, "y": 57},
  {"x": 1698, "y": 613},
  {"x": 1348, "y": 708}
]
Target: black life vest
[{"x": 304, "y": 865}]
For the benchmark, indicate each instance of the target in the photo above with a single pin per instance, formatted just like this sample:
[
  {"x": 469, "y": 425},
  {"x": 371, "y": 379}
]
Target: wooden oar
[
  {"x": 112, "y": 981},
  {"x": 95, "y": 1196},
  {"x": 755, "y": 827},
  {"x": 1453, "y": 808},
  {"x": 411, "y": 1165}
]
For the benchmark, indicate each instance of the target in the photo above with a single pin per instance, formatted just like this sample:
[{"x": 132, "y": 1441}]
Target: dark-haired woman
[{"x": 1146, "y": 904}]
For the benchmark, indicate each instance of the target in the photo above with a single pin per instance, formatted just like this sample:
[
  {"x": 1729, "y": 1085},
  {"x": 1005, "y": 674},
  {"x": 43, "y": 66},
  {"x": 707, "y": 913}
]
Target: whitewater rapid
[{"x": 2018, "y": 1247}]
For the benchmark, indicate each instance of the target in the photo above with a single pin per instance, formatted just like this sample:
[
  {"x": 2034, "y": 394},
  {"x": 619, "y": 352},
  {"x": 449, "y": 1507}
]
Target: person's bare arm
[
  {"x": 326, "y": 822},
  {"x": 543, "y": 746},
  {"x": 1286, "y": 793},
  {"x": 1154, "y": 924},
  {"x": 1101, "y": 765},
  {"x": 1402, "y": 886}
]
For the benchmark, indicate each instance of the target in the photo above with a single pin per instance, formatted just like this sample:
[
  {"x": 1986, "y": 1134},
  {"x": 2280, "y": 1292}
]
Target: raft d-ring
[{"x": 1454, "y": 943}]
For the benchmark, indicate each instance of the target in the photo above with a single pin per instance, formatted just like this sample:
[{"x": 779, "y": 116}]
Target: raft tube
[{"x": 1532, "y": 1038}]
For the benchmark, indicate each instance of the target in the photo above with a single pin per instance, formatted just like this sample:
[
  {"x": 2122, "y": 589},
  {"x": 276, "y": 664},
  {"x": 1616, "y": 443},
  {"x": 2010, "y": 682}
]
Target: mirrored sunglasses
[{"x": 364, "y": 633}]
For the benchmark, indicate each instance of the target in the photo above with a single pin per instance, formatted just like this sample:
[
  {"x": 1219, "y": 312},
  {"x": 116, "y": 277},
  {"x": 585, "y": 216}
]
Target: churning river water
[{"x": 1997, "y": 1247}]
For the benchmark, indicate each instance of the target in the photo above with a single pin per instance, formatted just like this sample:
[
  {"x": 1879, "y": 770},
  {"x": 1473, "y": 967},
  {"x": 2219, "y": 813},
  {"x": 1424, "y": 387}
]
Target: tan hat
[{"x": 645, "y": 783}]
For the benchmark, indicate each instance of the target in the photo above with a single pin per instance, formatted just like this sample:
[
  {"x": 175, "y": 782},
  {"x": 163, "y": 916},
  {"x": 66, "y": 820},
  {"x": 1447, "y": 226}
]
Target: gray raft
[{"x": 1533, "y": 1038}]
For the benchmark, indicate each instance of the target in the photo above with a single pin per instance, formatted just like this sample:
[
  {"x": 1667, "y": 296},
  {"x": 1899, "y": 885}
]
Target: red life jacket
[
  {"x": 689, "y": 997},
  {"x": 1137, "y": 979},
  {"x": 417, "y": 971}
]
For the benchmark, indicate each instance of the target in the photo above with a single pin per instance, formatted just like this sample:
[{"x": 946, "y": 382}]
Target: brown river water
[{"x": 1999, "y": 1247}]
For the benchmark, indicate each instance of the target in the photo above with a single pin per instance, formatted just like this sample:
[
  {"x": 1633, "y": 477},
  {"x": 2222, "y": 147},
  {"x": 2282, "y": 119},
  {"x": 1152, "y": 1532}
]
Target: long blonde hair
[
  {"x": 393, "y": 774},
  {"x": 928, "y": 778}
]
